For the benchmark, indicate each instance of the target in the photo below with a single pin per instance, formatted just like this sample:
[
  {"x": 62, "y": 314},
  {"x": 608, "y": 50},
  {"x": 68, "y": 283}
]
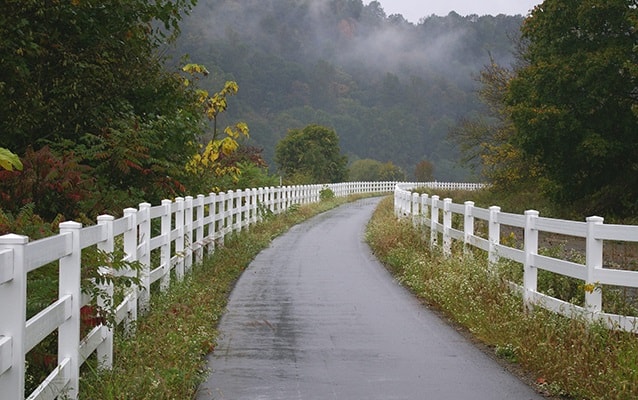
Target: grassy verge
[
  {"x": 565, "y": 358},
  {"x": 165, "y": 359}
]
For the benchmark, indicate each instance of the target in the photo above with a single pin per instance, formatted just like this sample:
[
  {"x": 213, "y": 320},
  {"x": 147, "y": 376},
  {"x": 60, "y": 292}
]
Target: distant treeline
[{"x": 391, "y": 89}]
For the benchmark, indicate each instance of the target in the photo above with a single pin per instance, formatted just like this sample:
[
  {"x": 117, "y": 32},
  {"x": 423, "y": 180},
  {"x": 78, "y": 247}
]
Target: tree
[
  {"x": 207, "y": 165},
  {"x": 486, "y": 141},
  {"x": 424, "y": 171},
  {"x": 368, "y": 170},
  {"x": 573, "y": 105},
  {"x": 311, "y": 155},
  {"x": 70, "y": 67},
  {"x": 85, "y": 80}
]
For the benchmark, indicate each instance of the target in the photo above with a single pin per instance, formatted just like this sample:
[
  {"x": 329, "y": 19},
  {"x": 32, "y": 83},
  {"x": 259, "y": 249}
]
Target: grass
[
  {"x": 165, "y": 358},
  {"x": 565, "y": 358}
]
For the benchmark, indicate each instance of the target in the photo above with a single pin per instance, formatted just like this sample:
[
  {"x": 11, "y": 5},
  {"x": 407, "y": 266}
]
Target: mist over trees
[{"x": 389, "y": 88}]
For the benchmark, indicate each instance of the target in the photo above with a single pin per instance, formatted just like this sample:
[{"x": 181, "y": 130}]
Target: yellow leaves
[
  {"x": 9, "y": 160},
  {"x": 195, "y": 69},
  {"x": 228, "y": 145},
  {"x": 202, "y": 95},
  {"x": 240, "y": 129},
  {"x": 208, "y": 159},
  {"x": 591, "y": 287},
  {"x": 75, "y": 2}
]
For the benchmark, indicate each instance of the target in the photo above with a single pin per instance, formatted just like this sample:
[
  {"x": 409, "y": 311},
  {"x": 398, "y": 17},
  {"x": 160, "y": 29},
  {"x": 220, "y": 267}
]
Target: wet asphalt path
[{"x": 316, "y": 316}]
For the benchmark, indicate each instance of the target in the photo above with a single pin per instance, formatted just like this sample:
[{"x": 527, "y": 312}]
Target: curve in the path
[{"x": 316, "y": 316}]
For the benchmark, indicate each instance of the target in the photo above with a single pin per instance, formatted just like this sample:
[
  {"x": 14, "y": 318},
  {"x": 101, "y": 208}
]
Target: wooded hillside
[{"x": 389, "y": 88}]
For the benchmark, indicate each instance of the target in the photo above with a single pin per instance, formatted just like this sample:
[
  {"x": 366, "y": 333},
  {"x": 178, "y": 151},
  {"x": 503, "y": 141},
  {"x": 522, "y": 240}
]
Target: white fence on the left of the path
[{"x": 164, "y": 240}]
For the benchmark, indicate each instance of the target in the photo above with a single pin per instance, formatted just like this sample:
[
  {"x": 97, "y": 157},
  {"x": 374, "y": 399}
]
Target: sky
[{"x": 414, "y": 10}]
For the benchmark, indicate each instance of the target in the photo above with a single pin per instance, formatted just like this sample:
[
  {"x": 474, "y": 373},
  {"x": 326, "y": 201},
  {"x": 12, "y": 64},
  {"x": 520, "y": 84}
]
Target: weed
[{"x": 326, "y": 194}]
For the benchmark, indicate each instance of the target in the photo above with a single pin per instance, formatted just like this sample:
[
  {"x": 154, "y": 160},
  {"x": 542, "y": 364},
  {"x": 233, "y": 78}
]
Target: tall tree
[
  {"x": 70, "y": 67},
  {"x": 573, "y": 105},
  {"x": 311, "y": 155},
  {"x": 84, "y": 79}
]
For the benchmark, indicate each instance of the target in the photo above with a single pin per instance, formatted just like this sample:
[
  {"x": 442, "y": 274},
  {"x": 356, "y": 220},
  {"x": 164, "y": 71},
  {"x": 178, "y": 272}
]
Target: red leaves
[{"x": 54, "y": 183}]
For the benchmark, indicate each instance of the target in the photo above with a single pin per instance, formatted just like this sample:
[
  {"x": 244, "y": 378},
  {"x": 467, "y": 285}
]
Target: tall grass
[{"x": 567, "y": 358}]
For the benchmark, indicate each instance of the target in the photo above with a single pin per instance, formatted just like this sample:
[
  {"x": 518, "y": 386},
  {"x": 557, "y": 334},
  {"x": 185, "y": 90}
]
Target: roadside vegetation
[
  {"x": 165, "y": 358},
  {"x": 565, "y": 358}
]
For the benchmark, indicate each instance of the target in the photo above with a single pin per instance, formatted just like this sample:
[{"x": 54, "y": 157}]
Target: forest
[
  {"x": 391, "y": 89},
  {"x": 107, "y": 104}
]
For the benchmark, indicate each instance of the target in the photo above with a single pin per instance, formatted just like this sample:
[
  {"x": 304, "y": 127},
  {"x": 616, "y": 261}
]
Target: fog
[
  {"x": 357, "y": 35},
  {"x": 390, "y": 88}
]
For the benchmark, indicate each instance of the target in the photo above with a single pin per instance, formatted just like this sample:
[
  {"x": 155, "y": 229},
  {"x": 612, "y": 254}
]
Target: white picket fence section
[
  {"x": 191, "y": 227},
  {"x": 437, "y": 215}
]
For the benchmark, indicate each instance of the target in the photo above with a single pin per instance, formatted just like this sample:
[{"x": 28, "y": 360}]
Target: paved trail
[{"x": 316, "y": 316}]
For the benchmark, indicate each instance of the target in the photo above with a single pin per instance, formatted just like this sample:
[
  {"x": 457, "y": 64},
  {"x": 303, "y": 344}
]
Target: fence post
[
  {"x": 212, "y": 218},
  {"x": 414, "y": 209},
  {"x": 105, "y": 349},
  {"x": 165, "y": 251},
  {"x": 260, "y": 204},
  {"x": 243, "y": 197},
  {"x": 189, "y": 240},
  {"x": 144, "y": 237},
  {"x": 13, "y": 292},
  {"x": 284, "y": 198},
  {"x": 494, "y": 236},
  {"x": 594, "y": 261},
  {"x": 424, "y": 213},
  {"x": 468, "y": 225},
  {"x": 199, "y": 218},
  {"x": 434, "y": 235},
  {"x": 130, "y": 248},
  {"x": 179, "y": 241},
  {"x": 447, "y": 224},
  {"x": 230, "y": 212},
  {"x": 221, "y": 218},
  {"x": 70, "y": 284},
  {"x": 530, "y": 273}
]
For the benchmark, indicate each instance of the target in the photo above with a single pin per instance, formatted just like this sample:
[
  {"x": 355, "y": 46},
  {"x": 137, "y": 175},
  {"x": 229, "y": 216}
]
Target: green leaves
[
  {"x": 572, "y": 104},
  {"x": 312, "y": 155}
]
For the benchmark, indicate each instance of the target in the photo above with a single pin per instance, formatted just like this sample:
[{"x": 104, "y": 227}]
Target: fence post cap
[
  {"x": 105, "y": 218},
  {"x": 595, "y": 219},
  {"x": 532, "y": 213},
  {"x": 12, "y": 238},
  {"x": 70, "y": 225}
]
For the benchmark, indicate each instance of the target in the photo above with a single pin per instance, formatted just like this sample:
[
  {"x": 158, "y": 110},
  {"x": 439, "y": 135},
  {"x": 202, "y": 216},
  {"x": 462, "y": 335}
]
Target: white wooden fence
[
  {"x": 437, "y": 215},
  {"x": 190, "y": 228}
]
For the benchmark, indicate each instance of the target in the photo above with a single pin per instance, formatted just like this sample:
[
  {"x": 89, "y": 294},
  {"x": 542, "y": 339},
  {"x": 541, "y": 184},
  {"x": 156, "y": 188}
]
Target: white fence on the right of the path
[{"x": 438, "y": 216}]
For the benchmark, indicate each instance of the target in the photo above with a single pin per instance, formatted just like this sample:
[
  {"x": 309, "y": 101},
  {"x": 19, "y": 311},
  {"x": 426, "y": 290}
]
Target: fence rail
[
  {"x": 166, "y": 240},
  {"x": 438, "y": 215}
]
